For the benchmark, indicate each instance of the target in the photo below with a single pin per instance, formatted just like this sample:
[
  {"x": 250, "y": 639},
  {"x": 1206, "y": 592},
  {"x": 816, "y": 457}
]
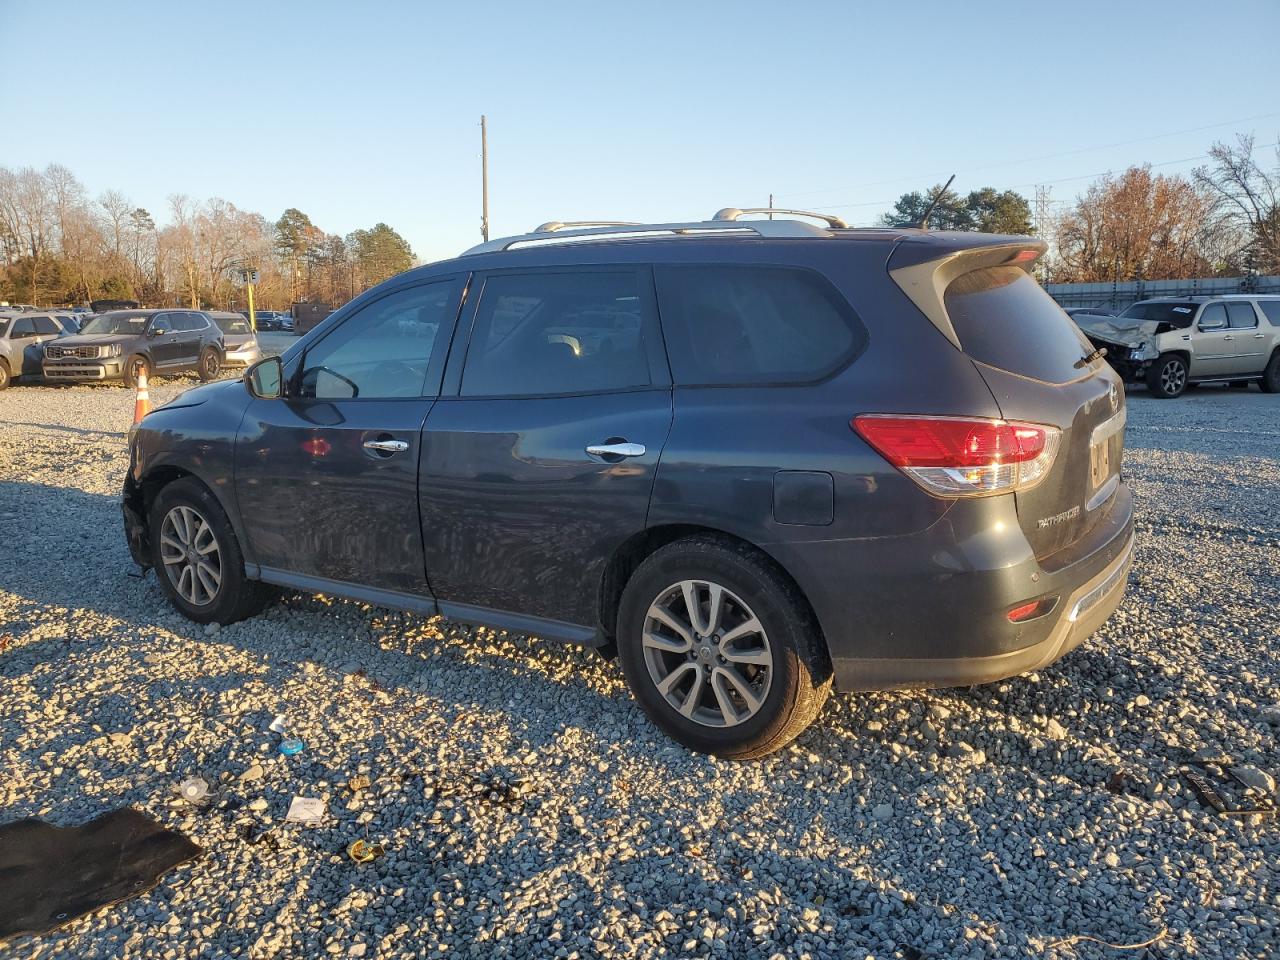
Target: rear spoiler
[{"x": 924, "y": 268}]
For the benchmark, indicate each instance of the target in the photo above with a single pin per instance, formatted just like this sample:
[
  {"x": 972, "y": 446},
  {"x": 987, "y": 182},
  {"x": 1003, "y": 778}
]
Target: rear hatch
[{"x": 1039, "y": 367}]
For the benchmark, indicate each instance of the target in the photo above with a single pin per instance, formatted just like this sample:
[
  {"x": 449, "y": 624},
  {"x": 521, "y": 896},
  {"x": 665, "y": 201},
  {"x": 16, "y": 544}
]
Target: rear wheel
[
  {"x": 720, "y": 649},
  {"x": 1271, "y": 375},
  {"x": 1167, "y": 377},
  {"x": 197, "y": 557},
  {"x": 134, "y": 367},
  {"x": 209, "y": 364}
]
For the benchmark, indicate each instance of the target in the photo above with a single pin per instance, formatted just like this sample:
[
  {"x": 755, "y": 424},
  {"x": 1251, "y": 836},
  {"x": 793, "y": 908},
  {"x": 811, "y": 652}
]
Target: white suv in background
[{"x": 1172, "y": 342}]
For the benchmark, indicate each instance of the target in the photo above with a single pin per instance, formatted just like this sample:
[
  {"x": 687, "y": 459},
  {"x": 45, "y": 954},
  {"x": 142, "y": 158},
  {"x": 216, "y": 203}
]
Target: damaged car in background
[{"x": 1172, "y": 343}]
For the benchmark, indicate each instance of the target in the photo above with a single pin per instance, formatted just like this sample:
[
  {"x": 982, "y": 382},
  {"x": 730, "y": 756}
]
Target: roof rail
[
  {"x": 734, "y": 213},
  {"x": 557, "y": 231}
]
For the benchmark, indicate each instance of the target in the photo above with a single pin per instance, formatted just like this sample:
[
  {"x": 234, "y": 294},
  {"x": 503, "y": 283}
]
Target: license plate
[{"x": 1104, "y": 449}]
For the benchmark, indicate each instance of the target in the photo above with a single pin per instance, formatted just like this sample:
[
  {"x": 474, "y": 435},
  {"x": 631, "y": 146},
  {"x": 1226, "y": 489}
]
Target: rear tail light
[{"x": 962, "y": 456}]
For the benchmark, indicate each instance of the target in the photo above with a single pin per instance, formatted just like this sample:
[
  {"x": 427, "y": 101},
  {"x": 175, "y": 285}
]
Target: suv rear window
[
  {"x": 1005, "y": 320},
  {"x": 750, "y": 324}
]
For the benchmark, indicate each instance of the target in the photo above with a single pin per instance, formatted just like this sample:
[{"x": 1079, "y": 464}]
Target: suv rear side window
[
  {"x": 1241, "y": 315},
  {"x": 540, "y": 334},
  {"x": 1271, "y": 309},
  {"x": 1005, "y": 320},
  {"x": 753, "y": 325}
]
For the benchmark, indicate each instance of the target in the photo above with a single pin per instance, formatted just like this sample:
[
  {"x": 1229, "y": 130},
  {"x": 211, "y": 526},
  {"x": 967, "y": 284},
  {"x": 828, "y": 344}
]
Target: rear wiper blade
[{"x": 1096, "y": 355}]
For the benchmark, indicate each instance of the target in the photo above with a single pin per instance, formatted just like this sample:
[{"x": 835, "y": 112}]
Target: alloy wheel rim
[
  {"x": 191, "y": 555},
  {"x": 707, "y": 653},
  {"x": 1172, "y": 377}
]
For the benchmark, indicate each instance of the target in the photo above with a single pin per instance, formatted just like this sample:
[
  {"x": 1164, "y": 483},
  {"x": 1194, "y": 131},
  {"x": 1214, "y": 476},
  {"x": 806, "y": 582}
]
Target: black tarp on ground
[{"x": 50, "y": 875}]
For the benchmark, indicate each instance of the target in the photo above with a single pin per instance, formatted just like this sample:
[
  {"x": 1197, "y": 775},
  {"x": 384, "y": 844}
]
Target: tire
[
  {"x": 4, "y": 374},
  {"x": 209, "y": 364},
  {"x": 135, "y": 363},
  {"x": 790, "y": 674},
  {"x": 186, "y": 513},
  {"x": 1167, "y": 377},
  {"x": 1270, "y": 382}
]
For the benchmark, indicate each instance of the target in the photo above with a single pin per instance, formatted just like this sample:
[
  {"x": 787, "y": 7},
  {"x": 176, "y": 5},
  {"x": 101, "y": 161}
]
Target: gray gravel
[{"x": 529, "y": 810}]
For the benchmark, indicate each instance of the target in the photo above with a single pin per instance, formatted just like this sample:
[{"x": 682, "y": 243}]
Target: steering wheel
[{"x": 355, "y": 390}]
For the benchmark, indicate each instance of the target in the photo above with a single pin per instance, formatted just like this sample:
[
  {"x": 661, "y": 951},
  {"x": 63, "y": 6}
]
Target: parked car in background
[
  {"x": 267, "y": 320},
  {"x": 239, "y": 340},
  {"x": 121, "y": 344},
  {"x": 1172, "y": 343},
  {"x": 22, "y": 336},
  {"x": 758, "y": 456}
]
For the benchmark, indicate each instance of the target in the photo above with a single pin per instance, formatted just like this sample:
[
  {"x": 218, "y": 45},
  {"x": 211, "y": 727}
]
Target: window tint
[
  {"x": 47, "y": 325},
  {"x": 739, "y": 324},
  {"x": 1241, "y": 315},
  {"x": 551, "y": 333},
  {"x": 383, "y": 350},
  {"x": 1177, "y": 315},
  {"x": 1271, "y": 308},
  {"x": 1214, "y": 313},
  {"x": 163, "y": 321},
  {"x": 23, "y": 326},
  {"x": 1005, "y": 319}
]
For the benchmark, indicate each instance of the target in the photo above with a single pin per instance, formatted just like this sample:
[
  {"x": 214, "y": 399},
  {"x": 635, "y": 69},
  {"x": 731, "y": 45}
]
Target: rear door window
[
  {"x": 555, "y": 333},
  {"x": 754, "y": 325},
  {"x": 1003, "y": 318},
  {"x": 1241, "y": 316},
  {"x": 1271, "y": 309}
]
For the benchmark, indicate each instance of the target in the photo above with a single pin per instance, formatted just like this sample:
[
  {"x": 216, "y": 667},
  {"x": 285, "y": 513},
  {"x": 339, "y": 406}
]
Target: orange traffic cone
[{"x": 142, "y": 400}]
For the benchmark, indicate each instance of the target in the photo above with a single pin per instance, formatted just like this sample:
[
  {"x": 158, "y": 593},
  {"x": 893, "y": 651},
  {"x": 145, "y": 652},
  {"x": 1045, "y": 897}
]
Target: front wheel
[
  {"x": 720, "y": 649},
  {"x": 197, "y": 556},
  {"x": 4, "y": 374},
  {"x": 134, "y": 368},
  {"x": 1167, "y": 377}
]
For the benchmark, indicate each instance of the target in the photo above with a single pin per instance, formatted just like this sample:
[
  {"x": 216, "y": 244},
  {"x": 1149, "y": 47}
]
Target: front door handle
[
  {"x": 1228, "y": 337},
  {"x": 1258, "y": 336},
  {"x": 386, "y": 446},
  {"x": 620, "y": 449}
]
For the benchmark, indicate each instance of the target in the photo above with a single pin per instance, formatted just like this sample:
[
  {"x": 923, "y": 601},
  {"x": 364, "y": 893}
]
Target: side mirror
[
  {"x": 265, "y": 379},
  {"x": 1215, "y": 324}
]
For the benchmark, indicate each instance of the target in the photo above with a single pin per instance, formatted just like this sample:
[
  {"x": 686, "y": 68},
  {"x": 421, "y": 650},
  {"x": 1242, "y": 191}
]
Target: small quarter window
[
  {"x": 1271, "y": 309},
  {"x": 751, "y": 325},
  {"x": 543, "y": 334}
]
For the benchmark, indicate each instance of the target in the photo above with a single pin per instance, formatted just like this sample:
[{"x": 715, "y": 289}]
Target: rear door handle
[
  {"x": 386, "y": 446},
  {"x": 621, "y": 449},
  {"x": 1228, "y": 337}
]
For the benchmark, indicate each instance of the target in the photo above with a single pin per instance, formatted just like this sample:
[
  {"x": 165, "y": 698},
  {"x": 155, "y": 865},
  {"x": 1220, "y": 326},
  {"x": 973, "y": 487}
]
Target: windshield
[
  {"x": 116, "y": 323},
  {"x": 1164, "y": 311},
  {"x": 232, "y": 324}
]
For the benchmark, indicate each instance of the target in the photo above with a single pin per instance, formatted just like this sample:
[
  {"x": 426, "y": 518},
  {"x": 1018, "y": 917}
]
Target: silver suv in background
[
  {"x": 21, "y": 337},
  {"x": 1171, "y": 343}
]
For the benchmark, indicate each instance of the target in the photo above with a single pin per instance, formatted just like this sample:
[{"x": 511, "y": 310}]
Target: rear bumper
[
  {"x": 1083, "y": 611},
  {"x": 930, "y": 609}
]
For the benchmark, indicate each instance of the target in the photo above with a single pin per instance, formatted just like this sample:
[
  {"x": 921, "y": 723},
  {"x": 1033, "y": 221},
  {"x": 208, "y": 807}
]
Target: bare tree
[
  {"x": 1136, "y": 226},
  {"x": 1248, "y": 196}
]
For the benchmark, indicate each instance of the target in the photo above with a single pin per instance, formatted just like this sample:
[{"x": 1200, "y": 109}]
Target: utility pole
[{"x": 484, "y": 179}]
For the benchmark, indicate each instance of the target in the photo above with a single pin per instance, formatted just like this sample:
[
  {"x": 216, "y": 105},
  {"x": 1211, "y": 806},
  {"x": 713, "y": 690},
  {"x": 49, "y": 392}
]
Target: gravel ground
[{"x": 529, "y": 810}]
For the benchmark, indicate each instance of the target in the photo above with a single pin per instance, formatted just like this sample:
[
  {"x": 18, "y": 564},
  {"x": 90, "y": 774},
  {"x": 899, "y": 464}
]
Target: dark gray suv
[
  {"x": 122, "y": 344},
  {"x": 757, "y": 458}
]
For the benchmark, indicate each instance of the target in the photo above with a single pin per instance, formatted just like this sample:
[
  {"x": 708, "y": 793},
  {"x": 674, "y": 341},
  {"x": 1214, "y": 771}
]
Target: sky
[{"x": 360, "y": 112}]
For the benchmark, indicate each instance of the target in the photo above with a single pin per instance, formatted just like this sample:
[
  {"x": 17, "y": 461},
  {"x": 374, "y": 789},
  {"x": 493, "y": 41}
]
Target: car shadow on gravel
[{"x": 63, "y": 428}]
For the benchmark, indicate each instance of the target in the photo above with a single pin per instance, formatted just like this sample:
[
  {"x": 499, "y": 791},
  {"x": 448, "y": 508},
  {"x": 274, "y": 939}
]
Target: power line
[{"x": 1047, "y": 156}]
